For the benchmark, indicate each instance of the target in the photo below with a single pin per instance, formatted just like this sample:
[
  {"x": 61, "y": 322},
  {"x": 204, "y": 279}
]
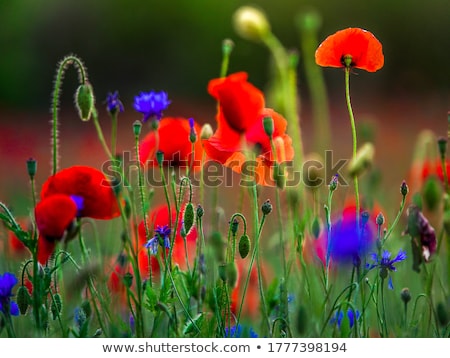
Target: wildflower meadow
[{"x": 228, "y": 226}]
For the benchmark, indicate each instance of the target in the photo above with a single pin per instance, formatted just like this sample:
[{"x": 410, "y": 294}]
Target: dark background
[{"x": 134, "y": 45}]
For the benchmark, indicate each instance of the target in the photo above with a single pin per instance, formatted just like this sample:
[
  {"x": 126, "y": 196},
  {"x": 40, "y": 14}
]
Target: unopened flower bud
[
  {"x": 160, "y": 157},
  {"x": 405, "y": 295},
  {"x": 234, "y": 225},
  {"x": 200, "y": 211},
  {"x": 404, "y": 188},
  {"x": 23, "y": 299},
  {"x": 128, "y": 279},
  {"x": 251, "y": 23},
  {"x": 363, "y": 160},
  {"x": 334, "y": 182},
  {"x": 244, "y": 246},
  {"x": 268, "y": 126},
  {"x": 192, "y": 132},
  {"x": 266, "y": 208},
  {"x": 84, "y": 101},
  {"x": 227, "y": 47},
  {"x": 188, "y": 218},
  {"x": 137, "y": 126},
  {"x": 380, "y": 219},
  {"x": 31, "y": 167},
  {"x": 206, "y": 131}
]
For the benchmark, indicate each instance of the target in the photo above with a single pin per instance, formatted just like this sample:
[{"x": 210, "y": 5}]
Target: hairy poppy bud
[
  {"x": 268, "y": 125},
  {"x": 23, "y": 299},
  {"x": 200, "y": 211},
  {"x": 31, "y": 167},
  {"x": 188, "y": 217},
  {"x": 405, "y": 295},
  {"x": 244, "y": 246},
  {"x": 84, "y": 101}
]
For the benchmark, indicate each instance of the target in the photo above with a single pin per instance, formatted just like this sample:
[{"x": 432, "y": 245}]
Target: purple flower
[
  {"x": 347, "y": 244},
  {"x": 162, "y": 236},
  {"x": 233, "y": 332},
  {"x": 7, "y": 283},
  {"x": 339, "y": 316},
  {"x": 113, "y": 103},
  {"x": 151, "y": 104},
  {"x": 385, "y": 264}
]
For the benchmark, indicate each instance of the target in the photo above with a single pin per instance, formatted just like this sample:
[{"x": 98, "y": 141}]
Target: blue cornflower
[
  {"x": 233, "y": 332},
  {"x": 339, "y": 316},
  {"x": 7, "y": 283},
  {"x": 151, "y": 104},
  {"x": 162, "y": 235},
  {"x": 113, "y": 103},
  {"x": 385, "y": 264},
  {"x": 348, "y": 244}
]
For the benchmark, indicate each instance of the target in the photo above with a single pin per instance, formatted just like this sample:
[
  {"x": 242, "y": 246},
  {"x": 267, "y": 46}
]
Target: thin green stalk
[
  {"x": 355, "y": 146},
  {"x": 397, "y": 218},
  {"x": 383, "y": 307},
  {"x": 113, "y": 132}
]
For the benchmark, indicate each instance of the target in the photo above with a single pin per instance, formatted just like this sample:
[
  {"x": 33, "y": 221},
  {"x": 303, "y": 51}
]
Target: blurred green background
[{"x": 134, "y": 45}]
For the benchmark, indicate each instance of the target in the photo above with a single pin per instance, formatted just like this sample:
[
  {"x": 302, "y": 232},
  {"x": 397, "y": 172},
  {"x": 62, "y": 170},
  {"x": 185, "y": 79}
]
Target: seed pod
[{"x": 244, "y": 246}]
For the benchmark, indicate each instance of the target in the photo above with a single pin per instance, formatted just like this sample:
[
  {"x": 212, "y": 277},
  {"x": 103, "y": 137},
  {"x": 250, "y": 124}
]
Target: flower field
[{"x": 260, "y": 219}]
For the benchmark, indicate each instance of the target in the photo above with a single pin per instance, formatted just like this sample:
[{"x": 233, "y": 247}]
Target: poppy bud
[
  {"x": 268, "y": 126},
  {"x": 56, "y": 306},
  {"x": 23, "y": 299},
  {"x": 251, "y": 23},
  {"x": 206, "y": 131},
  {"x": 84, "y": 101},
  {"x": 244, "y": 246},
  {"x": 315, "y": 227},
  {"x": 231, "y": 274},
  {"x": 137, "y": 126},
  {"x": 160, "y": 157},
  {"x": 31, "y": 167},
  {"x": 362, "y": 161},
  {"x": 266, "y": 208},
  {"x": 128, "y": 279},
  {"x": 227, "y": 47},
  {"x": 188, "y": 217}
]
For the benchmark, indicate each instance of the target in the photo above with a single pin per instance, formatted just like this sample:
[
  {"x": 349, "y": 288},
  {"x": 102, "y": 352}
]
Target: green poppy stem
[{"x": 355, "y": 146}]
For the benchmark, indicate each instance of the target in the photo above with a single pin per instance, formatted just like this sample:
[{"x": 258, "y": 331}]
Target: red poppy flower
[
  {"x": 159, "y": 217},
  {"x": 361, "y": 45},
  {"x": 89, "y": 184},
  {"x": 173, "y": 141},
  {"x": 240, "y": 129},
  {"x": 115, "y": 279},
  {"x": 54, "y": 215}
]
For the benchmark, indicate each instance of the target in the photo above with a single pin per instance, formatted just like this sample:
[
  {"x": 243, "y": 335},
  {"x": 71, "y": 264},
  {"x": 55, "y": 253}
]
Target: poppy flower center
[{"x": 347, "y": 61}]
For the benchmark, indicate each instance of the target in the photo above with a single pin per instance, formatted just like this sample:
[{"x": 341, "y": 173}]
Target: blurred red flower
[
  {"x": 78, "y": 191},
  {"x": 173, "y": 141},
  {"x": 363, "y": 47},
  {"x": 91, "y": 185},
  {"x": 240, "y": 129}
]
